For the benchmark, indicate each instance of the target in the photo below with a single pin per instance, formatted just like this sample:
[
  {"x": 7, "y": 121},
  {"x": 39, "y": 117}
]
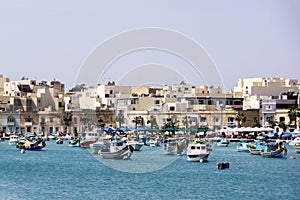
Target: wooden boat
[
  {"x": 136, "y": 145},
  {"x": 38, "y": 144},
  {"x": 102, "y": 143},
  {"x": 223, "y": 143},
  {"x": 197, "y": 152},
  {"x": 123, "y": 154},
  {"x": 223, "y": 165},
  {"x": 175, "y": 146},
  {"x": 86, "y": 143},
  {"x": 59, "y": 141},
  {"x": 257, "y": 148},
  {"x": 277, "y": 150},
  {"x": 243, "y": 146}
]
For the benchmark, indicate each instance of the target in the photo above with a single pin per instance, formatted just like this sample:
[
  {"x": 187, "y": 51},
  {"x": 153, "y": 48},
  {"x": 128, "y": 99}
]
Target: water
[{"x": 62, "y": 172}]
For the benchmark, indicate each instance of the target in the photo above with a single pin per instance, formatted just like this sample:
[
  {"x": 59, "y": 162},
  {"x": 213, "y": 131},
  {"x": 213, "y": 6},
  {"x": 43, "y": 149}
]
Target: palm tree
[
  {"x": 120, "y": 118},
  {"x": 138, "y": 120},
  {"x": 152, "y": 122},
  {"x": 186, "y": 121},
  {"x": 67, "y": 119},
  {"x": 283, "y": 126},
  {"x": 101, "y": 123},
  {"x": 272, "y": 122},
  {"x": 256, "y": 123},
  {"x": 240, "y": 117},
  {"x": 293, "y": 114}
]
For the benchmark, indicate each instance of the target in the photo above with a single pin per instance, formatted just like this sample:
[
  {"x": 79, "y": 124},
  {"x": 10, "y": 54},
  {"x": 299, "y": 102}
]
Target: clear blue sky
[{"x": 51, "y": 39}]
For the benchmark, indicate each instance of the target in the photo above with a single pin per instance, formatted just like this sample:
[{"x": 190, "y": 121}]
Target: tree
[
  {"x": 101, "y": 123},
  {"x": 138, "y": 120},
  {"x": 240, "y": 117},
  {"x": 283, "y": 126},
  {"x": 78, "y": 88},
  {"x": 67, "y": 118},
  {"x": 272, "y": 122},
  {"x": 293, "y": 114},
  {"x": 152, "y": 122},
  {"x": 120, "y": 118},
  {"x": 186, "y": 121},
  {"x": 256, "y": 123},
  {"x": 170, "y": 124}
]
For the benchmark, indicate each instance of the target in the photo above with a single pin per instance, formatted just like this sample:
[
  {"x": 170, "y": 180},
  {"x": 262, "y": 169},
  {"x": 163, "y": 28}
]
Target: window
[
  {"x": 200, "y": 101},
  {"x": 172, "y": 108},
  {"x": 203, "y": 119},
  {"x": 111, "y": 91},
  {"x": 216, "y": 119},
  {"x": 156, "y": 102},
  {"x": 106, "y": 95},
  {"x": 268, "y": 107},
  {"x": 281, "y": 119},
  {"x": 230, "y": 119}
]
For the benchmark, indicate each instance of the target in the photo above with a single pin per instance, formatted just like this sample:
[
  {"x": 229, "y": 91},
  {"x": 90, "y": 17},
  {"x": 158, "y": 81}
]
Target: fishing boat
[
  {"x": 257, "y": 148},
  {"x": 86, "y": 143},
  {"x": 59, "y": 141},
  {"x": 197, "y": 152},
  {"x": 13, "y": 140},
  {"x": 37, "y": 144},
  {"x": 175, "y": 146},
  {"x": 136, "y": 145},
  {"x": 275, "y": 150},
  {"x": 223, "y": 143},
  {"x": 115, "y": 152},
  {"x": 243, "y": 146},
  {"x": 102, "y": 143},
  {"x": 295, "y": 142},
  {"x": 74, "y": 142}
]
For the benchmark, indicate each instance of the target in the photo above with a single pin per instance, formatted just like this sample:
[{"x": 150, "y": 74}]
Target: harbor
[{"x": 60, "y": 171}]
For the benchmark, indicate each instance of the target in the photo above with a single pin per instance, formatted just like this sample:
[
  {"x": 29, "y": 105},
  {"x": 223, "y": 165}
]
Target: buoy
[
  {"x": 22, "y": 151},
  {"x": 292, "y": 157}
]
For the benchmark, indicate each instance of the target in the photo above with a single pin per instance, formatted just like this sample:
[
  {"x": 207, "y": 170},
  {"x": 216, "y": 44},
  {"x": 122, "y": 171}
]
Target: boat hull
[
  {"x": 123, "y": 154},
  {"x": 197, "y": 157}
]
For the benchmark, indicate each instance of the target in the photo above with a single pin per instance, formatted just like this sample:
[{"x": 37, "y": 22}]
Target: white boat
[
  {"x": 13, "y": 140},
  {"x": 295, "y": 141},
  {"x": 223, "y": 143},
  {"x": 197, "y": 152},
  {"x": 101, "y": 144}
]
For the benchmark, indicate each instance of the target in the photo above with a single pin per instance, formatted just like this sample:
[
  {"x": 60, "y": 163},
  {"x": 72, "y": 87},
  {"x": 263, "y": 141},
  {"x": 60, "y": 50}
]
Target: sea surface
[{"x": 63, "y": 172}]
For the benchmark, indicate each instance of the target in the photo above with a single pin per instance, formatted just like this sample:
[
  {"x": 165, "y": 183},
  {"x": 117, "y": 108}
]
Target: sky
[{"x": 48, "y": 40}]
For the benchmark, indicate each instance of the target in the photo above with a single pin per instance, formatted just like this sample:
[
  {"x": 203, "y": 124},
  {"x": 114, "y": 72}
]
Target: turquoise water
[{"x": 63, "y": 172}]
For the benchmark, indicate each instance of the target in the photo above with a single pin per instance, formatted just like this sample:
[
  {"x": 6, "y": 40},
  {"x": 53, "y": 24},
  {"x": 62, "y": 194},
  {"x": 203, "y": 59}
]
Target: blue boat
[
  {"x": 223, "y": 143},
  {"x": 123, "y": 154},
  {"x": 36, "y": 145},
  {"x": 275, "y": 150}
]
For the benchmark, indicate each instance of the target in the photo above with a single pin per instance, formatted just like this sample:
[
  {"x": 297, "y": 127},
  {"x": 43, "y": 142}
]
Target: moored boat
[
  {"x": 13, "y": 140},
  {"x": 275, "y": 150},
  {"x": 243, "y": 146},
  {"x": 175, "y": 146},
  {"x": 295, "y": 142},
  {"x": 123, "y": 153},
  {"x": 223, "y": 143},
  {"x": 197, "y": 152},
  {"x": 38, "y": 144},
  {"x": 86, "y": 143},
  {"x": 74, "y": 142},
  {"x": 59, "y": 141},
  {"x": 136, "y": 145}
]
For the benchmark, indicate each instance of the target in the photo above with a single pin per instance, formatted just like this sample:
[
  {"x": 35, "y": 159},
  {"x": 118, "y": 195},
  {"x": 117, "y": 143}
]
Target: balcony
[{"x": 28, "y": 123}]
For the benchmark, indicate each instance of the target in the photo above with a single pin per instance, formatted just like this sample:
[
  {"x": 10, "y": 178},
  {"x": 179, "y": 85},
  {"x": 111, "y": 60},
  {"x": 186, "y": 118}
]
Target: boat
[
  {"x": 123, "y": 153},
  {"x": 295, "y": 142},
  {"x": 197, "y": 152},
  {"x": 175, "y": 146},
  {"x": 86, "y": 143},
  {"x": 74, "y": 142},
  {"x": 223, "y": 143},
  {"x": 257, "y": 148},
  {"x": 59, "y": 141},
  {"x": 136, "y": 145},
  {"x": 243, "y": 146},
  {"x": 37, "y": 144},
  {"x": 275, "y": 150},
  {"x": 223, "y": 165},
  {"x": 13, "y": 140},
  {"x": 102, "y": 143}
]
